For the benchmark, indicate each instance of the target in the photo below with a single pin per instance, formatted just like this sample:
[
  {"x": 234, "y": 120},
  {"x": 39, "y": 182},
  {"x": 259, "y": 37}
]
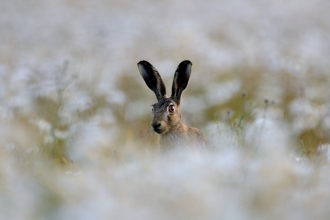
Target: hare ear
[
  {"x": 180, "y": 81},
  {"x": 152, "y": 79}
]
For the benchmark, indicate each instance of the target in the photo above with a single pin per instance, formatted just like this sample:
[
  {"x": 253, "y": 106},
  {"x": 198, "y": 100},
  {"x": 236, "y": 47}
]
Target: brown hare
[{"x": 167, "y": 120}]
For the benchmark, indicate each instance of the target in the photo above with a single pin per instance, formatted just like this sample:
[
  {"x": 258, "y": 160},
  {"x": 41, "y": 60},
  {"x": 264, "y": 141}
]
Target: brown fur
[
  {"x": 175, "y": 133},
  {"x": 182, "y": 136}
]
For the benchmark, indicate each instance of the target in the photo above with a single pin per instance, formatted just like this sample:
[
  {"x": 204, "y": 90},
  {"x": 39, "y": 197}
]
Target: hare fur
[{"x": 167, "y": 117}]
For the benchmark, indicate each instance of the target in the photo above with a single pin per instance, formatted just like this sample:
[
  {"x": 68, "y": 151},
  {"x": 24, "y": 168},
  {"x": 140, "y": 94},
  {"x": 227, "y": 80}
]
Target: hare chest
[{"x": 187, "y": 138}]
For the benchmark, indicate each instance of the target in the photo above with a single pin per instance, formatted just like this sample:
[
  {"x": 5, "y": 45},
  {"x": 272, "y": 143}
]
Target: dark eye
[
  {"x": 152, "y": 109},
  {"x": 171, "y": 108}
]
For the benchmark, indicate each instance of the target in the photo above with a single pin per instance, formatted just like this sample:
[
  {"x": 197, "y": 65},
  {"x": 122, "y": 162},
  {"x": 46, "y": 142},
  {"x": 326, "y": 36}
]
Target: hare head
[{"x": 166, "y": 112}]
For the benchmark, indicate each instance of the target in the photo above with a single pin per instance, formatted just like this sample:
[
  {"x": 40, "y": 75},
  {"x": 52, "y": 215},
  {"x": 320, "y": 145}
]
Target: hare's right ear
[{"x": 152, "y": 79}]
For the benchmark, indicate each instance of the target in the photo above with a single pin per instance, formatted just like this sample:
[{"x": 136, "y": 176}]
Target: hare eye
[{"x": 171, "y": 108}]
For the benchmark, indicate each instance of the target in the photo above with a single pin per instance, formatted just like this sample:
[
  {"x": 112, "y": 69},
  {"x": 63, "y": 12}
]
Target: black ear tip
[
  {"x": 143, "y": 62},
  {"x": 184, "y": 66},
  {"x": 145, "y": 67},
  {"x": 185, "y": 63}
]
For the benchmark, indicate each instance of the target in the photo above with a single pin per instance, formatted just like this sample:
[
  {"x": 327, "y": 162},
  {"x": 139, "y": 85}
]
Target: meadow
[{"x": 75, "y": 138}]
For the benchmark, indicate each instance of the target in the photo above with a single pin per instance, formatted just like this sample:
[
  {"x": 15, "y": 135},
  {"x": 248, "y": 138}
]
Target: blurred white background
[{"x": 71, "y": 93}]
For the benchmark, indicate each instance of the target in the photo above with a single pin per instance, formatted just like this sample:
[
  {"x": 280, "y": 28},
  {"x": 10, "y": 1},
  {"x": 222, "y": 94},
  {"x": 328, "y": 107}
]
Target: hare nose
[{"x": 155, "y": 125}]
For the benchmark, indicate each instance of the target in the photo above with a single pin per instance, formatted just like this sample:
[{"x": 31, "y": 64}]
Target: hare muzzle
[{"x": 156, "y": 127}]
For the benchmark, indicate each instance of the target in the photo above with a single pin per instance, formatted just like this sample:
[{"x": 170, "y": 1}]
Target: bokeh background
[{"x": 75, "y": 112}]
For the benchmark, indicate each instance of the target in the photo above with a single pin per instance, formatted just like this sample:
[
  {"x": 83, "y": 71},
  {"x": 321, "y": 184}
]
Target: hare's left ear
[{"x": 180, "y": 81}]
